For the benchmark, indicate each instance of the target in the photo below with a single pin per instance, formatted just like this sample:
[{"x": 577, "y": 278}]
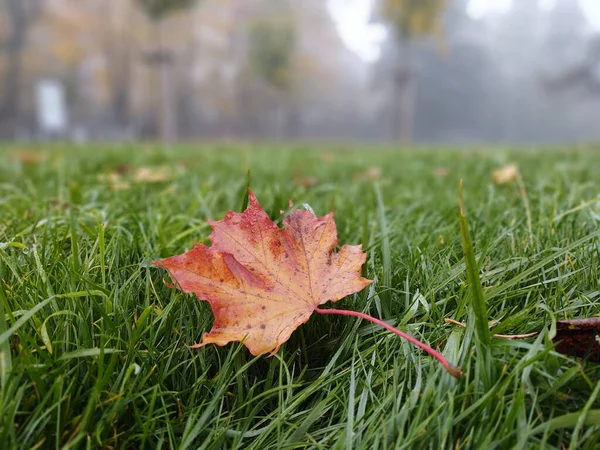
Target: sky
[{"x": 353, "y": 18}]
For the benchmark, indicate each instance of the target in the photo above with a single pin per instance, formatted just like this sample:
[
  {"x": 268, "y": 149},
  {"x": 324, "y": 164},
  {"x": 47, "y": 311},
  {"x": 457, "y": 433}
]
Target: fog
[{"x": 442, "y": 72}]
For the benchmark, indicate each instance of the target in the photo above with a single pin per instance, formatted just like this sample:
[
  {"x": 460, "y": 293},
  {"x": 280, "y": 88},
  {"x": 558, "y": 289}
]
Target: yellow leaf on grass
[{"x": 506, "y": 174}]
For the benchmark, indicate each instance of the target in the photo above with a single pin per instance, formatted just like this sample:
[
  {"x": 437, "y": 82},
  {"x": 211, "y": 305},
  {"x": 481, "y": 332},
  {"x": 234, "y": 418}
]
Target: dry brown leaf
[
  {"x": 30, "y": 157},
  {"x": 114, "y": 181},
  {"x": 579, "y": 337},
  {"x": 441, "y": 172},
  {"x": 306, "y": 181},
  {"x": 373, "y": 173},
  {"x": 506, "y": 174},
  {"x": 327, "y": 157},
  {"x": 152, "y": 174}
]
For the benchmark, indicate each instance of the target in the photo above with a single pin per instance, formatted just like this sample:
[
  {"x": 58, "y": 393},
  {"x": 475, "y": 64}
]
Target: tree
[
  {"x": 456, "y": 86},
  {"x": 20, "y": 15},
  {"x": 157, "y": 11},
  {"x": 583, "y": 75},
  {"x": 272, "y": 45},
  {"x": 407, "y": 20},
  {"x": 118, "y": 47},
  {"x": 567, "y": 68}
]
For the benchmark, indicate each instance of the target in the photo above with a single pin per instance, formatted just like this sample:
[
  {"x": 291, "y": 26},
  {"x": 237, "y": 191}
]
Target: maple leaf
[{"x": 263, "y": 282}]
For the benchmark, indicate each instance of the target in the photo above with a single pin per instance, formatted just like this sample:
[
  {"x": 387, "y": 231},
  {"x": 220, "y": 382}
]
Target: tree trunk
[
  {"x": 10, "y": 108},
  {"x": 237, "y": 47},
  {"x": 403, "y": 111},
  {"x": 168, "y": 125},
  {"x": 10, "y": 105},
  {"x": 119, "y": 51},
  {"x": 20, "y": 16},
  {"x": 278, "y": 117},
  {"x": 120, "y": 103},
  {"x": 406, "y": 109},
  {"x": 292, "y": 122},
  {"x": 167, "y": 112},
  {"x": 121, "y": 85}
]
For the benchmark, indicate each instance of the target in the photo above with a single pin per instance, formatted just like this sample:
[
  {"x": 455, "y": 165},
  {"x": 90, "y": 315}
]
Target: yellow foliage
[{"x": 413, "y": 17}]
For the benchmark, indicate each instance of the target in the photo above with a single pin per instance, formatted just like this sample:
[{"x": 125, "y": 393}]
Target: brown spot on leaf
[{"x": 276, "y": 247}]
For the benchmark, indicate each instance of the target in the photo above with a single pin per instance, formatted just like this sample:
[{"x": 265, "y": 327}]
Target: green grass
[{"x": 93, "y": 345}]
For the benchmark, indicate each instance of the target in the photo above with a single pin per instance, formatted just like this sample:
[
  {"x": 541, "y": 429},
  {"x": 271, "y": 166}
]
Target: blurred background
[{"x": 423, "y": 71}]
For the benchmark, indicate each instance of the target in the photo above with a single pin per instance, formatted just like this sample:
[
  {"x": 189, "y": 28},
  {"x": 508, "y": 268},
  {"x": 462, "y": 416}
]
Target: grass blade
[
  {"x": 478, "y": 305},
  {"x": 24, "y": 318},
  {"x": 591, "y": 417},
  {"x": 83, "y": 352},
  {"x": 5, "y": 356},
  {"x": 386, "y": 255},
  {"x": 244, "y": 203}
]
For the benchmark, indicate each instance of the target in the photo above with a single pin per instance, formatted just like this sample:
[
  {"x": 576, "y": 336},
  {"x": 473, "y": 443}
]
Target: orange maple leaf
[{"x": 263, "y": 282}]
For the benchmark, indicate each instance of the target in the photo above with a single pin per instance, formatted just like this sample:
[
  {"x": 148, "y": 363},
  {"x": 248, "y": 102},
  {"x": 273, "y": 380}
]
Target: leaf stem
[{"x": 450, "y": 368}]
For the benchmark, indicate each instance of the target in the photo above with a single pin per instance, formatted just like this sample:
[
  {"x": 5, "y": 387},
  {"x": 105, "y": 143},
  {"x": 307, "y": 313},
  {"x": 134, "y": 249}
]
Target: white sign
[{"x": 51, "y": 106}]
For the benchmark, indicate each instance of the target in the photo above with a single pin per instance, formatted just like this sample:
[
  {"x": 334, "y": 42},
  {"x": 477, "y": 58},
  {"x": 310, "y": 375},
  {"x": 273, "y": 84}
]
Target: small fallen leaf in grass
[
  {"x": 506, "y": 174},
  {"x": 114, "y": 180},
  {"x": 305, "y": 181},
  {"x": 441, "y": 172},
  {"x": 120, "y": 180},
  {"x": 575, "y": 337},
  {"x": 57, "y": 204},
  {"x": 263, "y": 282},
  {"x": 30, "y": 157},
  {"x": 152, "y": 174},
  {"x": 372, "y": 173},
  {"x": 327, "y": 157},
  {"x": 122, "y": 169},
  {"x": 579, "y": 337}
]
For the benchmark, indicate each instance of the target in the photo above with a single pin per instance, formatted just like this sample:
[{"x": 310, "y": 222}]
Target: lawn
[{"x": 95, "y": 347}]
